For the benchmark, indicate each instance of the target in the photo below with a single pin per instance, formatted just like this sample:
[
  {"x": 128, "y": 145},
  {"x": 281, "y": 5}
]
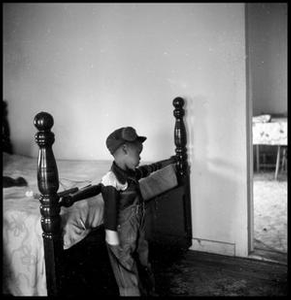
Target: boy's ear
[{"x": 124, "y": 148}]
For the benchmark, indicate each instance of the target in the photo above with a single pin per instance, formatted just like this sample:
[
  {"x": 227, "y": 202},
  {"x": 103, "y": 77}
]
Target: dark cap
[{"x": 121, "y": 136}]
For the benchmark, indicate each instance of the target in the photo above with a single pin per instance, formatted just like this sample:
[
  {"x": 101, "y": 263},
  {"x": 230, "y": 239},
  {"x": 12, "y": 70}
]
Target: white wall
[
  {"x": 96, "y": 67},
  {"x": 267, "y": 36}
]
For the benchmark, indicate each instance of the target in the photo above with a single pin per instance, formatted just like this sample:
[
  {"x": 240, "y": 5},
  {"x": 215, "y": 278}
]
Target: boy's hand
[
  {"x": 111, "y": 237},
  {"x": 66, "y": 201}
]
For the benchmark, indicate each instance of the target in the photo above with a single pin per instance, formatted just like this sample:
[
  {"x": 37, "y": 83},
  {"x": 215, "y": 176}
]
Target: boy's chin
[{"x": 133, "y": 168}]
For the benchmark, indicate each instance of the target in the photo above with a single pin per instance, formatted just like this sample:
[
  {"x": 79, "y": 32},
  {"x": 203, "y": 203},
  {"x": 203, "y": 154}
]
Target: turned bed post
[
  {"x": 183, "y": 170},
  {"x": 48, "y": 184},
  {"x": 6, "y": 143}
]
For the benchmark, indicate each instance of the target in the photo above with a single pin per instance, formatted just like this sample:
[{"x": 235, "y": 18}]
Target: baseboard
[{"x": 210, "y": 246}]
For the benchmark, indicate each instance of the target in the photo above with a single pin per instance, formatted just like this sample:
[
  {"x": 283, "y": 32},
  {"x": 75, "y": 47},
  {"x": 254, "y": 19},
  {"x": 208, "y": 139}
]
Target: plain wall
[
  {"x": 96, "y": 67},
  {"x": 268, "y": 57}
]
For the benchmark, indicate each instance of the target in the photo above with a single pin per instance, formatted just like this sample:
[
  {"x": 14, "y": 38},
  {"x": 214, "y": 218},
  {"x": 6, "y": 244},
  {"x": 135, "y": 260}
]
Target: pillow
[
  {"x": 80, "y": 218},
  {"x": 158, "y": 182}
]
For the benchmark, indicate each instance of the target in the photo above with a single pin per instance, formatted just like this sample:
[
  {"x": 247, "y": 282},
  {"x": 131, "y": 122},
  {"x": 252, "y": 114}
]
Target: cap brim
[{"x": 141, "y": 139}]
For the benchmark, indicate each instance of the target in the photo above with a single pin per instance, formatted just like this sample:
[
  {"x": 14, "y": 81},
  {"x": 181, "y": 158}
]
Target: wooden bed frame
[
  {"x": 168, "y": 216},
  {"x": 6, "y": 143}
]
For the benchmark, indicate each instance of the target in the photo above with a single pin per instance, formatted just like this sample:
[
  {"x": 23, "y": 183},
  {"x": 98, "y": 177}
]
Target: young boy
[{"x": 124, "y": 215}]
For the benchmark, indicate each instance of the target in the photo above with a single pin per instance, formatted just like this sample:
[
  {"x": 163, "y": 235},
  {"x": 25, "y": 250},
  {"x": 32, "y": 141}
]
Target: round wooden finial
[
  {"x": 43, "y": 121},
  {"x": 178, "y": 102}
]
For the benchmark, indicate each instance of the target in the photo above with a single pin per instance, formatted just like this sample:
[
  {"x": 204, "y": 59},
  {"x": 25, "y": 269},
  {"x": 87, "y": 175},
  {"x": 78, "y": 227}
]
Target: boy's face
[{"x": 132, "y": 157}]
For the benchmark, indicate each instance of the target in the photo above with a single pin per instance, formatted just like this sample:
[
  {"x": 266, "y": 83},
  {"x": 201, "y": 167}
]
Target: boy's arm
[
  {"x": 110, "y": 196},
  {"x": 146, "y": 170},
  {"x": 81, "y": 194}
]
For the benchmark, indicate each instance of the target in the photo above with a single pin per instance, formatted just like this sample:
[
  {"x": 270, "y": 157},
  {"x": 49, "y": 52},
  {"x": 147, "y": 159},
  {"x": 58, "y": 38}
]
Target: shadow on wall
[{"x": 214, "y": 216}]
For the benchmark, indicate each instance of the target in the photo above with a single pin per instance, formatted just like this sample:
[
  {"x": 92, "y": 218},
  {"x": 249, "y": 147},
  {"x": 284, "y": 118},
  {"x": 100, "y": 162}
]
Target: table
[{"x": 273, "y": 133}]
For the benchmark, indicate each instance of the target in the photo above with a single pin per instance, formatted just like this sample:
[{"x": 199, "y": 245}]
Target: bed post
[
  {"x": 6, "y": 143},
  {"x": 48, "y": 184},
  {"x": 183, "y": 169}
]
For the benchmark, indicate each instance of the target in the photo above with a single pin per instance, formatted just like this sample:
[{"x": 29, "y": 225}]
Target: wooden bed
[{"x": 168, "y": 215}]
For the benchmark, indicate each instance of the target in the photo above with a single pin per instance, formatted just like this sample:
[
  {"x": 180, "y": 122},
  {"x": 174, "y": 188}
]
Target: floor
[
  {"x": 188, "y": 273},
  {"x": 270, "y": 216},
  {"x": 202, "y": 274}
]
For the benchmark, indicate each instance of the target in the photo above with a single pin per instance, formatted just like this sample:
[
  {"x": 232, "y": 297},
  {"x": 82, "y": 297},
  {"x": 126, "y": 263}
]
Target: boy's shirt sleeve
[{"x": 110, "y": 197}]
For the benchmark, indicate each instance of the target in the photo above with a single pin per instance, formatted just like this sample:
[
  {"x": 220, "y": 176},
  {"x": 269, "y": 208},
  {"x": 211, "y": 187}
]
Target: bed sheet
[{"x": 23, "y": 261}]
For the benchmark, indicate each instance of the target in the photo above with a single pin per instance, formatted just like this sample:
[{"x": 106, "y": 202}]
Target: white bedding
[{"x": 23, "y": 262}]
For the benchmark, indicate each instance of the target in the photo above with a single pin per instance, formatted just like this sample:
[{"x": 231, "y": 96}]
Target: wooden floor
[
  {"x": 201, "y": 274},
  {"x": 180, "y": 273},
  {"x": 264, "y": 252}
]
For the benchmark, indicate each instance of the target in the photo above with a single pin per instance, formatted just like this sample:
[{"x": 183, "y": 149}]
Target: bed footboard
[{"x": 170, "y": 213}]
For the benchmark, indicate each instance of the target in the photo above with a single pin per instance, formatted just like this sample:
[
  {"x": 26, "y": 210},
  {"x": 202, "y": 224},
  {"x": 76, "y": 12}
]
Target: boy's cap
[{"x": 121, "y": 136}]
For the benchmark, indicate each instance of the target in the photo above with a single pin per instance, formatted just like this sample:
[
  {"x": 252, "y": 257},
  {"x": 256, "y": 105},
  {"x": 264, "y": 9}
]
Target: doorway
[{"x": 266, "y": 41}]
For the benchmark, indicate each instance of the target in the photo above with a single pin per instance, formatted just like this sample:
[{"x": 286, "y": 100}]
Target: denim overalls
[{"x": 129, "y": 259}]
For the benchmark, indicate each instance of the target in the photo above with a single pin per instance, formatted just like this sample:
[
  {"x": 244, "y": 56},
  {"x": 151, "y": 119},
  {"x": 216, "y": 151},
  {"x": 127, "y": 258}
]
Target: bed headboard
[{"x": 48, "y": 184}]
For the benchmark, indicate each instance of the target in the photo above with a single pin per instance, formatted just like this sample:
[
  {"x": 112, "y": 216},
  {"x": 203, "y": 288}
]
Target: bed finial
[
  {"x": 43, "y": 121},
  {"x": 180, "y": 137},
  {"x": 48, "y": 184}
]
